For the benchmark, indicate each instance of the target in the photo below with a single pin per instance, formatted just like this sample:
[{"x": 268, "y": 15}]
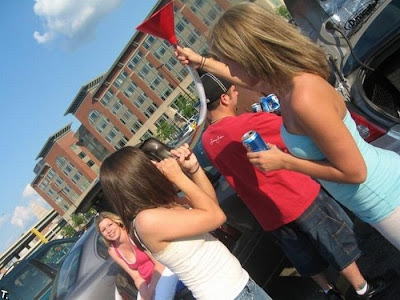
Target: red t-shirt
[{"x": 275, "y": 198}]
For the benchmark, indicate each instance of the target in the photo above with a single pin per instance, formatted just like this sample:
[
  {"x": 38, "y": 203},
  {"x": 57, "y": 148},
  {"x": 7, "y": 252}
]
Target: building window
[
  {"x": 148, "y": 42},
  {"x": 129, "y": 91},
  {"x": 60, "y": 161},
  {"x": 146, "y": 136},
  {"x": 84, "y": 185},
  {"x": 43, "y": 184},
  {"x": 59, "y": 181},
  {"x": 191, "y": 39},
  {"x": 144, "y": 71},
  {"x": 93, "y": 116},
  {"x": 76, "y": 177},
  {"x": 116, "y": 107},
  {"x": 140, "y": 100},
  {"x": 51, "y": 174},
  {"x": 82, "y": 155},
  {"x": 68, "y": 169},
  {"x": 155, "y": 83},
  {"x": 51, "y": 192},
  {"x": 107, "y": 97},
  {"x": 102, "y": 125},
  {"x": 126, "y": 117},
  {"x": 120, "y": 79},
  {"x": 136, "y": 126},
  {"x": 122, "y": 142},
  {"x": 135, "y": 60},
  {"x": 112, "y": 134},
  {"x": 90, "y": 163},
  {"x": 66, "y": 190},
  {"x": 150, "y": 110},
  {"x": 161, "y": 50},
  {"x": 162, "y": 119},
  {"x": 180, "y": 27}
]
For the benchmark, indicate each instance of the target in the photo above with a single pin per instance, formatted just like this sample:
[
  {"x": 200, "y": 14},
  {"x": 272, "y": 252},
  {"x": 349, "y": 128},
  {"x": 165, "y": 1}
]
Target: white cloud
[
  {"x": 73, "y": 20},
  {"x": 29, "y": 191},
  {"x": 22, "y": 215}
]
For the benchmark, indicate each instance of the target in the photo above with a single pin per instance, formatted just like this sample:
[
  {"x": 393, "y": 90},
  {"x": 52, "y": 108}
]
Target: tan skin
[
  {"x": 311, "y": 107},
  {"x": 115, "y": 233},
  {"x": 158, "y": 227}
]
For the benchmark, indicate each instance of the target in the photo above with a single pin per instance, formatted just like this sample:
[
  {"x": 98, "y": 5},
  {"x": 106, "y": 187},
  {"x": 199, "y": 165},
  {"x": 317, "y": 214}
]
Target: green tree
[
  {"x": 68, "y": 231},
  {"x": 165, "y": 130},
  {"x": 282, "y": 10},
  {"x": 185, "y": 106},
  {"x": 78, "y": 219}
]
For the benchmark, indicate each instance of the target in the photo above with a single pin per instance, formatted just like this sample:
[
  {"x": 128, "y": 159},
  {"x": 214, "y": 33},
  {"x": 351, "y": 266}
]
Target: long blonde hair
[
  {"x": 113, "y": 217},
  {"x": 266, "y": 45}
]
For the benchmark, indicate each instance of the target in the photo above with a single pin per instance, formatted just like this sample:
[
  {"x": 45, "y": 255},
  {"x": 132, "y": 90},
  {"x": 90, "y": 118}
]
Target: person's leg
[
  {"x": 300, "y": 250},
  {"x": 331, "y": 231},
  {"x": 389, "y": 228},
  {"x": 166, "y": 285}
]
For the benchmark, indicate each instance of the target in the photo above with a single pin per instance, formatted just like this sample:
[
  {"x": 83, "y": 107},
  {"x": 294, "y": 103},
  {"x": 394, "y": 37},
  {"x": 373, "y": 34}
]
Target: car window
[
  {"x": 101, "y": 247},
  {"x": 29, "y": 284},
  {"x": 55, "y": 254},
  {"x": 67, "y": 275}
]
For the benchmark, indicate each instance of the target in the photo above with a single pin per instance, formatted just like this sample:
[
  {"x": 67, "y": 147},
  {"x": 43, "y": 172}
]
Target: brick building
[
  {"x": 66, "y": 169},
  {"x": 128, "y": 103}
]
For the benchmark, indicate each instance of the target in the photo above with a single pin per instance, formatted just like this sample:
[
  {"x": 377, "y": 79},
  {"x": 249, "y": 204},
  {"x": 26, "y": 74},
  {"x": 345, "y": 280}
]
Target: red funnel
[{"x": 161, "y": 24}]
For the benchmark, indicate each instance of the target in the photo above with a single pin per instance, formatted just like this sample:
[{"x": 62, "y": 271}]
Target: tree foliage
[
  {"x": 78, "y": 219},
  {"x": 68, "y": 231},
  {"x": 283, "y": 11},
  {"x": 165, "y": 130},
  {"x": 185, "y": 106}
]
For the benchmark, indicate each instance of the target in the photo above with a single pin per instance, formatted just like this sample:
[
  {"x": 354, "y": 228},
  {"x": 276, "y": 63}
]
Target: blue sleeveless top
[{"x": 372, "y": 200}]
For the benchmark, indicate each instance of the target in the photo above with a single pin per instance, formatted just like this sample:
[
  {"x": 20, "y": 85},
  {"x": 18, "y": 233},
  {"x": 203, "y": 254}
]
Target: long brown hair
[
  {"x": 266, "y": 45},
  {"x": 132, "y": 183}
]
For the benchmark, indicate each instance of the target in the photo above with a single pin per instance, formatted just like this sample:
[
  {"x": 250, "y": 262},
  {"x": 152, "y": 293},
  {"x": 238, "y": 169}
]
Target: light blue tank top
[{"x": 374, "y": 199}]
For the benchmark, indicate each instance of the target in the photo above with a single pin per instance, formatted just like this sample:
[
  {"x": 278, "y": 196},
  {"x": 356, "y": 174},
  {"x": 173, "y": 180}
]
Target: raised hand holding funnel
[{"x": 161, "y": 24}]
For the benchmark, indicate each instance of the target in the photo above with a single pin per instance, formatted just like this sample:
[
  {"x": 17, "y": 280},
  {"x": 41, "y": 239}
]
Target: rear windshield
[
  {"x": 349, "y": 15},
  {"x": 384, "y": 29}
]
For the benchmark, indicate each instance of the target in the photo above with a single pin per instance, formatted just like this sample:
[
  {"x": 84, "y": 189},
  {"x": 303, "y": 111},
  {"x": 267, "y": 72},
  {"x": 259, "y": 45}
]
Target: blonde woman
[
  {"x": 152, "y": 279},
  {"x": 259, "y": 50}
]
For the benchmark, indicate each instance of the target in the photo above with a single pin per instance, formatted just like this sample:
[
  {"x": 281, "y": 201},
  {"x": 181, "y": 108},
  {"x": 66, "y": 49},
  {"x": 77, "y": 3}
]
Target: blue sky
[{"x": 49, "y": 49}]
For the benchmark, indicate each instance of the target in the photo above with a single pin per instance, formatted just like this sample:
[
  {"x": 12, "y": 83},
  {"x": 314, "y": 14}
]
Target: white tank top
[{"x": 206, "y": 267}]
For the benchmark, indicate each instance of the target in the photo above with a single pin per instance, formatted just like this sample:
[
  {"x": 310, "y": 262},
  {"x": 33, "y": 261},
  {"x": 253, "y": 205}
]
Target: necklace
[{"x": 216, "y": 120}]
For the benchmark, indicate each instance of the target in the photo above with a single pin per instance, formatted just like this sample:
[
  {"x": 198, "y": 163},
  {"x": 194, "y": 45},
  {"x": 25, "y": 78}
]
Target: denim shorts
[
  {"x": 323, "y": 235},
  {"x": 252, "y": 291}
]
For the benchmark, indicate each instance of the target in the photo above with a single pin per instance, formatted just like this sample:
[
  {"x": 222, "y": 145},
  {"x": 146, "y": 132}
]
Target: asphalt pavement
[{"x": 379, "y": 257}]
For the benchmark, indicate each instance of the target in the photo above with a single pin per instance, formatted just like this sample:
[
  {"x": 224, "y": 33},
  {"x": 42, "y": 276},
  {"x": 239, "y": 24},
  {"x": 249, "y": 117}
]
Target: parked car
[
  {"x": 88, "y": 272},
  {"x": 363, "y": 49},
  {"x": 32, "y": 278}
]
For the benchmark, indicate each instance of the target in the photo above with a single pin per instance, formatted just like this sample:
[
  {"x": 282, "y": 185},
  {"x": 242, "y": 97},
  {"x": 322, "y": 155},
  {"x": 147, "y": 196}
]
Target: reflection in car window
[
  {"x": 101, "y": 247},
  {"x": 29, "y": 284},
  {"x": 54, "y": 256},
  {"x": 67, "y": 274}
]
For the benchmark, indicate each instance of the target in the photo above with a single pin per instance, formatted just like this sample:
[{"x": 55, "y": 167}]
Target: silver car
[
  {"x": 88, "y": 272},
  {"x": 362, "y": 42}
]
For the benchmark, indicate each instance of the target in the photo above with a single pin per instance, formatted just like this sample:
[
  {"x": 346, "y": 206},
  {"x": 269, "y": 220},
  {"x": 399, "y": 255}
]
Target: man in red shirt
[{"x": 312, "y": 228}]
